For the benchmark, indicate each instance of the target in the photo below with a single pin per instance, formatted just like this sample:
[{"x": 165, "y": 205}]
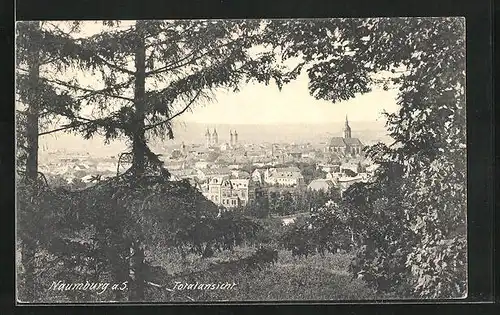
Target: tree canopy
[{"x": 424, "y": 58}]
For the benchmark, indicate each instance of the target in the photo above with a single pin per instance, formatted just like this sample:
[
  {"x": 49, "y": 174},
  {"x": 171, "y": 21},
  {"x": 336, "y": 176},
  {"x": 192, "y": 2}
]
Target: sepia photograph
[{"x": 241, "y": 160}]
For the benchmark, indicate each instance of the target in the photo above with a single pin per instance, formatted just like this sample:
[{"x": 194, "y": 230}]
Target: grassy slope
[{"x": 311, "y": 278}]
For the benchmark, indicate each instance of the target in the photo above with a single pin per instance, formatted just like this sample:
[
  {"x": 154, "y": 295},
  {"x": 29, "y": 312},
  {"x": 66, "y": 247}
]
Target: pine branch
[
  {"x": 69, "y": 126},
  {"x": 176, "y": 115},
  {"x": 91, "y": 92},
  {"x": 114, "y": 66},
  {"x": 178, "y": 64}
]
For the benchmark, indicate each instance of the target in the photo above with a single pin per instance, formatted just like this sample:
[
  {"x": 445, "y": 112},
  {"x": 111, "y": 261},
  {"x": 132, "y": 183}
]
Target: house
[
  {"x": 229, "y": 193},
  {"x": 209, "y": 173},
  {"x": 330, "y": 168},
  {"x": 202, "y": 164},
  {"x": 240, "y": 174},
  {"x": 187, "y": 173},
  {"x": 295, "y": 154},
  {"x": 289, "y": 176},
  {"x": 321, "y": 185},
  {"x": 225, "y": 146},
  {"x": 173, "y": 165}
]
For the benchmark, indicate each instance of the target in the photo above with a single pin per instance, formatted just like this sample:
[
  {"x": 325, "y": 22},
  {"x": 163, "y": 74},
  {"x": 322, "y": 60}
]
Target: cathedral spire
[{"x": 347, "y": 128}]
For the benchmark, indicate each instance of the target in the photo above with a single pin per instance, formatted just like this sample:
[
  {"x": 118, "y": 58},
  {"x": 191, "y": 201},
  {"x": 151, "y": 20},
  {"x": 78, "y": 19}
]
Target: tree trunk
[
  {"x": 28, "y": 292},
  {"x": 32, "y": 118},
  {"x": 32, "y": 114},
  {"x": 137, "y": 274},
  {"x": 138, "y": 140}
]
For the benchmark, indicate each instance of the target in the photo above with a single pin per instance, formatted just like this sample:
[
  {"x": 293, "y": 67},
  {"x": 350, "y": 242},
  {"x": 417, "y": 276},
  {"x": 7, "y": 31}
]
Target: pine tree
[{"x": 39, "y": 50}]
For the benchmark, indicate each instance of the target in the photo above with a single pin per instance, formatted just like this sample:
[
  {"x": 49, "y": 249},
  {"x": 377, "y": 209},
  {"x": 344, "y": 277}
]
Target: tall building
[
  {"x": 208, "y": 138},
  {"x": 235, "y": 138},
  {"x": 215, "y": 138},
  {"x": 231, "y": 142},
  {"x": 346, "y": 144},
  {"x": 347, "y": 129},
  {"x": 211, "y": 139}
]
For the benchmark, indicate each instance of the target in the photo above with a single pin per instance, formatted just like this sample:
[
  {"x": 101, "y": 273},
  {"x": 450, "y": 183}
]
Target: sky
[{"x": 260, "y": 104}]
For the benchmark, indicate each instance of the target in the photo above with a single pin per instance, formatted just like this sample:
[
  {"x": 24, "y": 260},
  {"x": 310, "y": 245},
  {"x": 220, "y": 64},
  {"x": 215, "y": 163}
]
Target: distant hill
[{"x": 367, "y": 132}]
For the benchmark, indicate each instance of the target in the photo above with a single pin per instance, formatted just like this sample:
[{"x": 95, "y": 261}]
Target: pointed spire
[{"x": 347, "y": 128}]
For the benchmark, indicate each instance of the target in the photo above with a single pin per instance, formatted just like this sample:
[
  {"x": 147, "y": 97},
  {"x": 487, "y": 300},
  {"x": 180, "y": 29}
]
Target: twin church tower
[{"x": 212, "y": 139}]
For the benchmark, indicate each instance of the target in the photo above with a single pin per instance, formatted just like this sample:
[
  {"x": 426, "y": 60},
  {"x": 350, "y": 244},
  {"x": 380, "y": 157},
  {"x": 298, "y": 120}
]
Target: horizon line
[{"x": 275, "y": 123}]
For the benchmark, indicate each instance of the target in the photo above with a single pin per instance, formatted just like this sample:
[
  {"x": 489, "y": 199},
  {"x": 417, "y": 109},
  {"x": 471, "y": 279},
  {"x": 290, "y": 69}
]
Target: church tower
[
  {"x": 231, "y": 143},
  {"x": 347, "y": 129},
  {"x": 208, "y": 138},
  {"x": 235, "y": 138},
  {"x": 215, "y": 137}
]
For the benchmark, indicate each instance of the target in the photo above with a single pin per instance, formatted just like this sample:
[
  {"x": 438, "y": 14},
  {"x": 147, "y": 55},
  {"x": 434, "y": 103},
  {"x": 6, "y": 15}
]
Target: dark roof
[
  {"x": 353, "y": 141},
  {"x": 337, "y": 142},
  {"x": 342, "y": 142}
]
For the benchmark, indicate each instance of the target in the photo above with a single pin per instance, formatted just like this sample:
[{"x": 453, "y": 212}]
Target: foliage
[
  {"x": 309, "y": 171},
  {"x": 324, "y": 231},
  {"x": 425, "y": 59},
  {"x": 258, "y": 208}
]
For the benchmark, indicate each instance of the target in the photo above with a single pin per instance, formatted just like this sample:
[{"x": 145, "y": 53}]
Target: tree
[
  {"x": 40, "y": 53},
  {"x": 360, "y": 168},
  {"x": 425, "y": 58},
  {"x": 43, "y": 51},
  {"x": 176, "y": 64},
  {"x": 259, "y": 208}
]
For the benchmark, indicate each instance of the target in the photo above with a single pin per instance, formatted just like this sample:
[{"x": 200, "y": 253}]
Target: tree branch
[
  {"x": 59, "y": 129},
  {"x": 176, "y": 65},
  {"x": 94, "y": 92},
  {"x": 78, "y": 124},
  {"x": 177, "y": 114},
  {"x": 113, "y": 66}
]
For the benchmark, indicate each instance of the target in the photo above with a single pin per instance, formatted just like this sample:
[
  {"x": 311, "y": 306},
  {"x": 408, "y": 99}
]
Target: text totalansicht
[{"x": 204, "y": 286}]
